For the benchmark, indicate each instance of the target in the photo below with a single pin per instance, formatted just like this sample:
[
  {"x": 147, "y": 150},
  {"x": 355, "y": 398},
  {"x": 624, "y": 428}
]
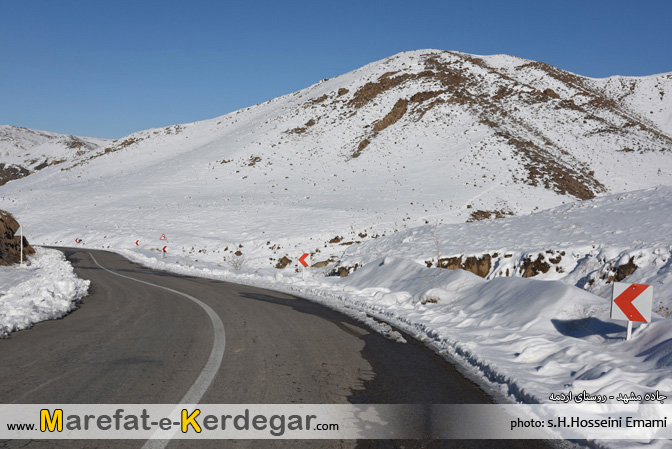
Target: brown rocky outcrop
[
  {"x": 282, "y": 263},
  {"x": 10, "y": 249},
  {"x": 480, "y": 266}
]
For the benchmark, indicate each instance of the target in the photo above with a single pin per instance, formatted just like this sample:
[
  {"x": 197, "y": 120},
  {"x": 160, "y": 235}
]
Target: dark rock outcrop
[{"x": 10, "y": 249}]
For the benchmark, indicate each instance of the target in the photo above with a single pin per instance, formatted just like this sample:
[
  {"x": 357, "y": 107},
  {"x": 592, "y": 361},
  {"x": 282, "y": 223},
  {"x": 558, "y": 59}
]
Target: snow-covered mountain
[
  {"x": 24, "y": 151},
  {"x": 421, "y": 137}
]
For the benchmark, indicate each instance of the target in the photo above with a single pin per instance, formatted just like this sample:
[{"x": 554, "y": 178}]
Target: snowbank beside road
[{"x": 44, "y": 290}]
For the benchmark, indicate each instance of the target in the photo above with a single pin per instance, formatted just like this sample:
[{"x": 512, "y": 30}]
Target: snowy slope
[
  {"x": 582, "y": 244},
  {"x": 649, "y": 96},
  {"x": 451, "y": 137}
]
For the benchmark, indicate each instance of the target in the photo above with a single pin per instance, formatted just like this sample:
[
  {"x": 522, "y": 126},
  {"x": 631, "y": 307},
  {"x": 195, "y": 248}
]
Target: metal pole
[
  {"x": 21, "y": 244},
  {"x": 629, "y": 332}
]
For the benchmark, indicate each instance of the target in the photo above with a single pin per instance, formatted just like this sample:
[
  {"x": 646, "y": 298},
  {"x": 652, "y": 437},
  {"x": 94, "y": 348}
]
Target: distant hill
[{"x": 24, "y": 151}]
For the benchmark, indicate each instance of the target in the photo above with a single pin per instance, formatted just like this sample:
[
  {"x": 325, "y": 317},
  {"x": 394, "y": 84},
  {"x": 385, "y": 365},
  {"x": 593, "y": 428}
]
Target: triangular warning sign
[{"x": 163, "y": 237}]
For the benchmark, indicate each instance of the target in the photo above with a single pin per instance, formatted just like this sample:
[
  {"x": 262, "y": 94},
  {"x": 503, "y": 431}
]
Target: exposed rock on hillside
[{"x": 10, "y": 251}]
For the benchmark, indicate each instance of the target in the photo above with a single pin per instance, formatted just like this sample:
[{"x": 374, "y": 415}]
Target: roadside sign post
[
  {"x": 631, "y": 302},
  {"x": 20, "y": 232},
  {"x": 305, "y": 261}
]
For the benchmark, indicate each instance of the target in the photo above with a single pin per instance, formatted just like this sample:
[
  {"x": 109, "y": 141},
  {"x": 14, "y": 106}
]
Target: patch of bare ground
[
  {"x": 301, "y": 129},
  {"x": 421, "y": 97},
  {"x": 397, "y": 112},
  {"x": 323, "y": 263},
  {"x": 11, "y": 172},
  {"x": 119, "y": 145},
  {"x": 561, "y": 75},
  {"x": 253, "y": 161},
  {"x": 282, "y": 263},
  {"x": 503, "y": 92},
  {"x": 436, "y": 70},
  {"x": 421, "y": 111},
  {"x": 315, "y": 101},
  {"x": 350, "y": 243},
  {"x": 363, "y": 144},
  {"x": 608, "y": 129},
  {"x": 550, "y": 93},
  {"x": 388, "y": 74},
  {"x": 451, "y": 79},
  {"x": 342, "y": 91},
  {"x": 598, "y": 100},
  {"x": 476, "y": 61},
  {"x": 533, "y": 97},
  {"x": 487, "y": 121},
  {"x": 174, "y": 129},
  {"x": 127, "y": 142},
  {"x": 547, "y": 170},
  {"x": 544, "y": 168},
  {"x": 74, "y": 143},
  {"x": 478, "y": 215},
  {"x": 44, "y": 164},
  {"x": 371, "y": 90},
  {"x": 48, "y": 163},
  {"x": 569, "y": 104}
]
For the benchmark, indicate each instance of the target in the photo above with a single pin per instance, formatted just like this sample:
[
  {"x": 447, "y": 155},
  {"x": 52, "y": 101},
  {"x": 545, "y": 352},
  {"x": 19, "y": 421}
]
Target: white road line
[{"x": 204, "y": 380}]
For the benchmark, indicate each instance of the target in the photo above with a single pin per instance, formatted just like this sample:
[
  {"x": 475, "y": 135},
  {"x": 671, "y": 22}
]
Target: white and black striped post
[{"x": 20, "y": 232}]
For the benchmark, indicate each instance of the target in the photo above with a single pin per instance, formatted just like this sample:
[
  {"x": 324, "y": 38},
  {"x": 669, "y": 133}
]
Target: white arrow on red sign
[
  {"x": 302, "y": 259},
  {"x": 164, "y": 249},
  {"x": 631, "y": 302}
]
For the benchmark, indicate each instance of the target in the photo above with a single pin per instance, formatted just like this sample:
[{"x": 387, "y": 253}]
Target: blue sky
[{"x": 107, "y": 69}]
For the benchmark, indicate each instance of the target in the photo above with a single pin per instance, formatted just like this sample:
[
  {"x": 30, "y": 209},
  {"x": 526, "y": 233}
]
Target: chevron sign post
[
  {"x": 305, "y": 261},
  {"x": 631, "y": 302}
]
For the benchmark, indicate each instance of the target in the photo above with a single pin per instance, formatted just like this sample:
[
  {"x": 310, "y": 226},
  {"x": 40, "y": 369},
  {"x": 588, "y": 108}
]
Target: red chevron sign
[
  {"x": 632, "y": 302},
  {"x": 302, "y": 259}
]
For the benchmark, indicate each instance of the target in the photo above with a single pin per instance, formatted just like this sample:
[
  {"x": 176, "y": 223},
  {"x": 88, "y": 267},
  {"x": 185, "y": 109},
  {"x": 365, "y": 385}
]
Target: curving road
[{"x": 159, "y": 341}]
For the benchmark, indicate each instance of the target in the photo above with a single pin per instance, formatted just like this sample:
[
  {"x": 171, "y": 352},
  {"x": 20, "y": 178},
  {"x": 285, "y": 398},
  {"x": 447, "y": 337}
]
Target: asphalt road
[{"x": 133, "y": 342}]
